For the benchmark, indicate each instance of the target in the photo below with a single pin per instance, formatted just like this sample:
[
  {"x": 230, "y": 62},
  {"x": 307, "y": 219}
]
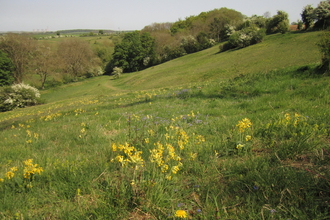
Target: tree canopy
[
  {"x": 6, "y": 70},
  {"x": 134, "y": 53}
]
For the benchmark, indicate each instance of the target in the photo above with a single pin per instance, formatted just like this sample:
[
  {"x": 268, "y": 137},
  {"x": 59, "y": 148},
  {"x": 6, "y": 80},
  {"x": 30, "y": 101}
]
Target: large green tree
[
  {"x": 322, "y": 15},
  {"x": 307, "y": 16},
  {"x": 6, "y": 70},
  {"x": 135, "y": 52},
  {"x": 278, "y": 23}
]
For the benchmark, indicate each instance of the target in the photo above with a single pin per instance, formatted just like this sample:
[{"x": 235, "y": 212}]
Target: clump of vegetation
[
  {"x": 117, "y": 72},
  {"x": 18, "y": 96},
  {"x": 316, "y": 18},
  {"x": 6, "y": 70},
  {"x": 324, "y": 46},
  {"x": 243, "y": 38},
  {"x": 278, "y": 23}
]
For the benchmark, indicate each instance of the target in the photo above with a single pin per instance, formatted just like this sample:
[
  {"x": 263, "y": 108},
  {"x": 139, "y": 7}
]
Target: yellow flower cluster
[
  {"x": 50, "y": 117},
  {"x": 31, "y": 169},
  {"x": 288, "y": 119},
  {"x": 10, "y": 174},
  {"x": 78, "y": 111},
  {"x": 244, "y": 124},
  {"x": 183, "y": 138},
  {"x": 128, "y": 155}
]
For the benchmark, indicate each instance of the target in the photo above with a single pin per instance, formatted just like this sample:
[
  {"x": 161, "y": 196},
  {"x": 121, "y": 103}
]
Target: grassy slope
[
  {"x": 276, "y": 52},
  {"x": 221, "y": 178}
]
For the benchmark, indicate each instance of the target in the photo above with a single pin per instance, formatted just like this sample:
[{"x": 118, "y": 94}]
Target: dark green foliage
[
  {"x": 203, "y": 41},
  {"x": 6, "y": 68},
  {"x": 278, "y": 23},
  {"x": 224, "y": 17},
  {"x": 317, "y": 18},
  {"x": 322, "y": 15},
  {"x": 324, "y": 46},
  {"x": 134, "y": 53},
  {"x": 307, "y": 16}
]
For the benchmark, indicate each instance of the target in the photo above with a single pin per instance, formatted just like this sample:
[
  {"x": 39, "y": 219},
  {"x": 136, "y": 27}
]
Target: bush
[
  {"x": 243, "y": 38},
  {"x": 117, "y": 72},
  {"x": 324, "y": 46},
  {"x": 18, "y": 96}
]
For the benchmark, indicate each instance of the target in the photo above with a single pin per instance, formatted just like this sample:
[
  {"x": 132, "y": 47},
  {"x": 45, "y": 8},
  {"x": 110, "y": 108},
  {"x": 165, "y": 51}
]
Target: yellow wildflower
[
  {"x": 1, "y": 180},
  {"x": 114, "y": 147},
  {"x": 248, "y": 137},
  {"x": 28, "y": 132},
  {"x": 13, "y": 169},
  {"x": 168, "y": 177},
  {"x": 175, "y": 169},
  {"x": 10, "y": 175},
  {"x": 181, "y": 214},
  {"x": 164, "y": 168},
  {"x": 239, "y": 146},
  {"x": 193, "y": 156},
  {"x": 287, "y": 116},
  {"x": 243, "y": 124}
]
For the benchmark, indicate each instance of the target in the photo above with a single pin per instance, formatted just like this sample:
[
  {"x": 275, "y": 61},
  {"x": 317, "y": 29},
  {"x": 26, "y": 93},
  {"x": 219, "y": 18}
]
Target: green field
[{"x": 242, "y": 134}]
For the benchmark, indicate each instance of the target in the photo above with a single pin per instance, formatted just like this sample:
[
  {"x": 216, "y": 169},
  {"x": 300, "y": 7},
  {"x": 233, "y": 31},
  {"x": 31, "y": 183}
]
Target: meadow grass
[{"x": 240, "y": 146}]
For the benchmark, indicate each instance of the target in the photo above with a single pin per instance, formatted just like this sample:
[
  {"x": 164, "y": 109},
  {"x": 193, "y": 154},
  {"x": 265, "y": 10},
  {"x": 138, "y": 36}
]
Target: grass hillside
[
  {"x": 242, "y": 134},
  {"x": 276, "y": 52}
]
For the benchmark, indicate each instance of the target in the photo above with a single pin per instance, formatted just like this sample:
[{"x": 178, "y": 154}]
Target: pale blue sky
[{"x": 29, "y": 15}]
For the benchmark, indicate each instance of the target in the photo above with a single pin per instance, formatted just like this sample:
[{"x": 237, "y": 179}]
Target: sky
[{"x": 53, "y": 15}]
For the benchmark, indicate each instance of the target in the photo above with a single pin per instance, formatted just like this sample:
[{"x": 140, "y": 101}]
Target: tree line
[{"x": 21, "y": 55}]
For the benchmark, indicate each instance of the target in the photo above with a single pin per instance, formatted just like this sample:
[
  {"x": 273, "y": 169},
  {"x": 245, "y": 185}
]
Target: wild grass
[{"x": 246, "y": 146}]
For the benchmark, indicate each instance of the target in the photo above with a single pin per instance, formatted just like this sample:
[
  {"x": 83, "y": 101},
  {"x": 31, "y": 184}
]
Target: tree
[
  {"x": 76, "y": 56},
  {"x": 19, "y": 48},
  {"x": 6, "y": 70},
  {"x": 307, "y": 16},
  {"x": 203, "y": 41},
  {"x": 45, "y": 62},
  {"x": 279, "y": 23},
  {"x": 221, "y": 19},
  {"x": 322, "y": 15},
  {"x": 135, "y": 52},
  {"x": 101, "y": 32}
]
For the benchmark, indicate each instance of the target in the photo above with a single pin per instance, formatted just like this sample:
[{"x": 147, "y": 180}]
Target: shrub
[
  {"x": 117, "y": 72},
  {"x": 324, "y": 46},
  {"x": 243, "y": 38},
  {"x": 18, "y": 96}
]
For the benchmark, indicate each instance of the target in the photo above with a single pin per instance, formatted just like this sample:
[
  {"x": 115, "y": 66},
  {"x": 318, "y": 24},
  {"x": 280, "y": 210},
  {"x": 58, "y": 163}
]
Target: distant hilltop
[{"x": 66, "y": 32}]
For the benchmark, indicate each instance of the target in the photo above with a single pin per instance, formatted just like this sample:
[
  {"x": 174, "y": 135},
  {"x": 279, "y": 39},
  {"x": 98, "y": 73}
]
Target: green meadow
[{"x": 242, "y": 134}]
